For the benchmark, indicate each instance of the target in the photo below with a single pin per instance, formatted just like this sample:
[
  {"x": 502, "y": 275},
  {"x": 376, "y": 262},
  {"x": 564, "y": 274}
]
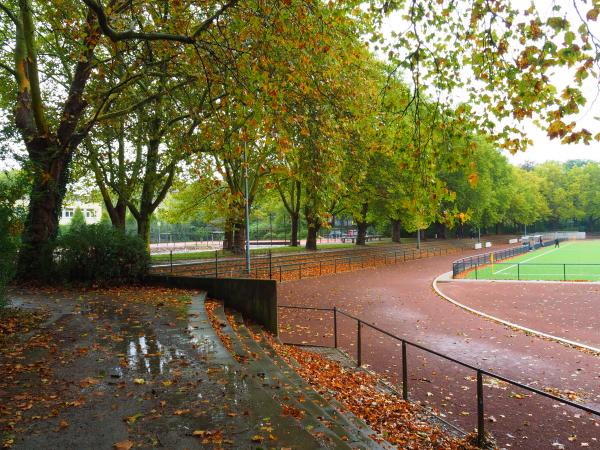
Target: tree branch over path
[{"x": 116, "y": 36}]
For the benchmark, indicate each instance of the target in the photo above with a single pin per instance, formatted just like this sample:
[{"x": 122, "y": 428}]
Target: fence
[
  {"x": 475, "y": 261},
  {"x": 539, "y": 271},
  {"x": 406, "y": 344},
  {"x": 287, "y": 267}
]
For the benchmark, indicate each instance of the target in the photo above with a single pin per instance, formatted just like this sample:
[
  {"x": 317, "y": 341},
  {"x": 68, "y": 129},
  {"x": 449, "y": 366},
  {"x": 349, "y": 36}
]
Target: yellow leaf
[{"x": 139, "y": 381}]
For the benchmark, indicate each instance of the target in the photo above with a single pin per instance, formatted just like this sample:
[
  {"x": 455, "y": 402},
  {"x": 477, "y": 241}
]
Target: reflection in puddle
[{"x": 148, "y": 355}]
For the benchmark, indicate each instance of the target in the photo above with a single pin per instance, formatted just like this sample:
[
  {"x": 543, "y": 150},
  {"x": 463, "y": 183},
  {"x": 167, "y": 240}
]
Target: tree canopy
[{"x": 339, "y": 114}]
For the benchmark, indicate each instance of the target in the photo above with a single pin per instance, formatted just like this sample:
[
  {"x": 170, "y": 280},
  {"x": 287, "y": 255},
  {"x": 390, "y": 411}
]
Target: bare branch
[
  {"x": 128, "y": 35},
  {"x": 10, "y": 15},
  {"x": 9, "y": 69}
]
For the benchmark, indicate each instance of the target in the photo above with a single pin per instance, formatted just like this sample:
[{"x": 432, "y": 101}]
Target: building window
[{"x": 69, "y": 212}]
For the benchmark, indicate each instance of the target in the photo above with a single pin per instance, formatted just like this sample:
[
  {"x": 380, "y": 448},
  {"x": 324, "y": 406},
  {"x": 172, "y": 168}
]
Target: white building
[{"x": 91, "y": 211}]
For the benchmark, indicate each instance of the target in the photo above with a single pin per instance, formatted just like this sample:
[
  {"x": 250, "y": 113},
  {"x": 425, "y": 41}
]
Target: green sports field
[{"x": 572, "y": 261}]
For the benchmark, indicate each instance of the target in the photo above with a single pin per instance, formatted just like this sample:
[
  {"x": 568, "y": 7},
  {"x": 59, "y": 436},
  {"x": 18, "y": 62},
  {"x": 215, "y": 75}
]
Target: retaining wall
[{"x": 255, "y": 299}]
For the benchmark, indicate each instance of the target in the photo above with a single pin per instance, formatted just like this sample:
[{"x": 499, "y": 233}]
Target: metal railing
[
  {"x": 286, "y": 267},
  {"x": 538, "y": 271},
  {"x": 405, "y": 344},
  {"x": 476, "y": 261}
]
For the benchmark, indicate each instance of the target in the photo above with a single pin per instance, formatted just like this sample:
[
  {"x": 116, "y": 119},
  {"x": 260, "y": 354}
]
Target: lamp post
[
  {"x": 271, "y": 227},
  {"x": 247, "y": 208}
]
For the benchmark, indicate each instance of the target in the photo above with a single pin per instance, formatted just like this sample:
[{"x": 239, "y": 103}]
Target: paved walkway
[
  {"x": 116, "y": 370},
  {"x": 400, "y": 299}
]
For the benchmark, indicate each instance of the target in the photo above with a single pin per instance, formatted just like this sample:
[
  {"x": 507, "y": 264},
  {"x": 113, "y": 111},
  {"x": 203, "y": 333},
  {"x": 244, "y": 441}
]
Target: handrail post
[
  {"x": 300, "y": 271},
  {"x": 564, "y": 272},
  {"x": 320, "y": 267},
  {"x": 335, "y": 342},
  {"x": 359, "y": 343},
  {"x": 270, "y": 263},
  {"x": 480, "y": 418},
  {"x": 216, "y": 263},
  {"x": 334, "y": 264},
  {"x": 404, "y": 372},
  {"x": 518, "y": 271},
  {"x": 171, "y": 258}
]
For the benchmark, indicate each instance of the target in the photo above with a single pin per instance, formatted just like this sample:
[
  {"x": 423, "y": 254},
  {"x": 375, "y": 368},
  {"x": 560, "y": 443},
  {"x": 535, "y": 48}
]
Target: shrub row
[{"x": 99, "y": 253}]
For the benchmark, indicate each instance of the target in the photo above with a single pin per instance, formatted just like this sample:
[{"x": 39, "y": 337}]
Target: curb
[{"x": 506, "y": 322}]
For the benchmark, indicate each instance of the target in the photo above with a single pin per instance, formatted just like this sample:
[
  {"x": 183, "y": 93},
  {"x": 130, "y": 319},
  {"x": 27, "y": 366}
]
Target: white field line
[
  {"x": 508, "y": 323},
  {"x": 530, "y": 259}
]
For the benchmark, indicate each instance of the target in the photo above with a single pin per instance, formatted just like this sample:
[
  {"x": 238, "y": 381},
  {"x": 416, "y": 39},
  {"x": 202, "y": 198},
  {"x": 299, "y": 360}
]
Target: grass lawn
[
  {"x": 572, "y": 261},
  {"x": 258, "y": 251}
]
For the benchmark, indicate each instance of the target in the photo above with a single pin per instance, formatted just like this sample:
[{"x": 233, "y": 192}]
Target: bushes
[
  {"x": 100, "y": 254},
  {"x": 8, "y": 251}
]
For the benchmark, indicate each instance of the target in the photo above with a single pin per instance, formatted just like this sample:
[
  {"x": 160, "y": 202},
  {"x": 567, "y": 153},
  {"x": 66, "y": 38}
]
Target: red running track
[{"x": 400, "y": 299}]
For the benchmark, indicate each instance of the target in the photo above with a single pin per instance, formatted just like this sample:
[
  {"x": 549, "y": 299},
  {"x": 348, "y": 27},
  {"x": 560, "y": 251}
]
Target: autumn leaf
[{"x": 123, "y": 445}]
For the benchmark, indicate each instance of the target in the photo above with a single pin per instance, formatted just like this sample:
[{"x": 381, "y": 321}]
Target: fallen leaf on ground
[{"x": 123, "y": 445}]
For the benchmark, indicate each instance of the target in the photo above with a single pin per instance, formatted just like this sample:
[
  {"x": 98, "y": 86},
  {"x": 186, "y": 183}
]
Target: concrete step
[
  {"x": 257, "y": 407},
  {"x": 274, "y": 384},
  {"x": 265, "y": 361},
  {"x": 359, "y": 429}
]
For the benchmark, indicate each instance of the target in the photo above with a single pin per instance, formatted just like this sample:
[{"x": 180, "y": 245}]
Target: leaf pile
[
  {"x": 14, "y": 322},
  {"x": 402, "y": 423}
]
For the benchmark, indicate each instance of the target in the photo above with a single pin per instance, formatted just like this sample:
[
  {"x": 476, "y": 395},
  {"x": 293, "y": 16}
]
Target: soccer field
[{"x": 572, "y": 261}]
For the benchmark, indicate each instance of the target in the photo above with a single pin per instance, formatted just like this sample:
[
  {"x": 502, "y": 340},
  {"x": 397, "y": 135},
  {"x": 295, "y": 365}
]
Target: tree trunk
[
  {"x": 441, "y": 231},
  {"x": 117, "y": 213},
  {"x": 143, "y": 229},
  {"x": 239, "y": 239},
  {"x": 47, "y": 193},
  {"x": 361, "y": 237},
  {"x": 312, "y": 233},
  {"x": 396, "y": 231},
  {"x": 228, "y": 235},
  {"x": 295, "y": 219}
]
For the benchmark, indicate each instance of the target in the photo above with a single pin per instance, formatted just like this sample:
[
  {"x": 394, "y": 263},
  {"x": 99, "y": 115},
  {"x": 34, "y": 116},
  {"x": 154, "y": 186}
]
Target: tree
[
  {"x": 505, "y": 55},
  {"x": 53, "y": 126},
  {"x": 527, "y": 205},
  {"x": 585, "y": 183}
]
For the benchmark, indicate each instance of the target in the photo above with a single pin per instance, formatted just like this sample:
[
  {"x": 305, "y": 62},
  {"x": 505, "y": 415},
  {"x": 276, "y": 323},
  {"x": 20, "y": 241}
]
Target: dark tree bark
[
  {"x": 239, "y": 239},
  {"x": 396, "y": 230},
  {"x": 292, "y": 205},
  {"x": 311, "y": 237},
  {"x": 313, "y": 225},
  {"x": 295, "y": 220},
  {"x": 143, "y": 228},
  {"x": 362, "y": 225},
  {"x": 441, "y": 230},
  {"x": 228, "y": 235}
]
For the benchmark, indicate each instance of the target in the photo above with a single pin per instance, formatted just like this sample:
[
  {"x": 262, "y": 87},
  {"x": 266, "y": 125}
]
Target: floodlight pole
[
  {"x": 418, "y": 238},
  {"x": 247, "y": 209},
  {"x": 479, "y": 235},
  {"x": 525, "y": 229}
]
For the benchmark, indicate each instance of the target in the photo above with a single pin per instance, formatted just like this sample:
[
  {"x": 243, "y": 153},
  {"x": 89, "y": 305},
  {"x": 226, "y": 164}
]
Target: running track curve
[{"x": 400, "y": 299}]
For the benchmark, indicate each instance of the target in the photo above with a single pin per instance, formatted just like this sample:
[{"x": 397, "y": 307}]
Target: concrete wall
[{"x": 255, "y": 299}]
